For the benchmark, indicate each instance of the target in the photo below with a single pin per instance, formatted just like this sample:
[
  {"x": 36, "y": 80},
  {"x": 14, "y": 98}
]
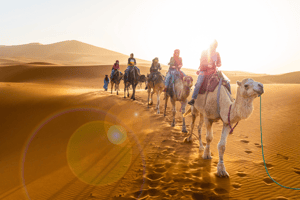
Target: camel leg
[
  {"x": 112, "y": 87},
  {"x": 174, "y": 112},
  {"x": 133, "y": 93},
  {"x": 128, "y": 90},
  {"x": 201, "y": 147},
  {"x": 124, "y": 90},
  {"x": 183, "y": 105},
  {"x": 209, "y": 138},
  {"x": 221, "y": 171},
  {"x": 158, "y": 101},
  {"x": 151, "y": 98},
  {"x": 190, "y": 137},
  {"x": 117, "y": 88},
  {"x": 166, "y": 104},
  {"x": 149, "y": 90}
]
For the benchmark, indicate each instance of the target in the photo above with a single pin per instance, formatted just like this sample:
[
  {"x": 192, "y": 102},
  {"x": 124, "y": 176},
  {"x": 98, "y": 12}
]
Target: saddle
[{"x": 210, "y": 82}]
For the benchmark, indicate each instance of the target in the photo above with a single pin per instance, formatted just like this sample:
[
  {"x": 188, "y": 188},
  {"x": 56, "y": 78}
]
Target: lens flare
[
  {"x": 98, "y": 157},
  {"x": 104, "y": 162},
  {"x": 116, "y": 134}
]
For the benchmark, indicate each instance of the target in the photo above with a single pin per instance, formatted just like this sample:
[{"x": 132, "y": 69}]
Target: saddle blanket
[{"x": 210, "y": 83}]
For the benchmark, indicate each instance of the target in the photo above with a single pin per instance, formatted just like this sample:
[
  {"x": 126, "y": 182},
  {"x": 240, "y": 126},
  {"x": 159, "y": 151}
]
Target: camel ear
[{"x": 239, "y": 83}]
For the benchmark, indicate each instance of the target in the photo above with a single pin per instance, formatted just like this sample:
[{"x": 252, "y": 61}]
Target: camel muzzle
[{"x": 260, "y": 91}]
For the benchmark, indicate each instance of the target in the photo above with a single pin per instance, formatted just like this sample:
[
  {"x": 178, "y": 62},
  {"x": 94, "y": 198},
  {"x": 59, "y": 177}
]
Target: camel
[
  {"x": 157, "y": 87},
  {"x": 117, "y": 77},
  {"x": 231, "y": 111},
  {"x": 132, "y": 79},
  {"x": 179, "y": 91},
  {"x": 142, "y": 80}
]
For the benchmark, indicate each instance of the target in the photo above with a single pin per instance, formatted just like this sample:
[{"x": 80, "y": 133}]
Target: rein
[{"x": 231, "y": 129}]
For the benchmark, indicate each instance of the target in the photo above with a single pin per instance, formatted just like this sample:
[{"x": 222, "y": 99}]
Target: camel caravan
[{"x": 211, "y": 98}]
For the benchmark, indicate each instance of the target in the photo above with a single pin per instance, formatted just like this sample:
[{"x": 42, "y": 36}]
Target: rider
[
  {"x": 131, "y": 62},
  {"x": 175, "y": 66},
  {"x": 155, "y": 67},
  {"x": 114, "y": 68},
  {"x": 209, "y": 61}
]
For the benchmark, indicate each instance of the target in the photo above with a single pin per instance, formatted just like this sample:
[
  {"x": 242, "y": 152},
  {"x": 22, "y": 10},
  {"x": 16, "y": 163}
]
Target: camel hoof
[
  {"x": 184, "y": 130},
  {"x": 206, "y": 157},
  {"x": 221, "y": 171},
  {"x": 158, "y": 112},
  {"x": 187, "y": 140},
  {"x": 173, "y": 125}
]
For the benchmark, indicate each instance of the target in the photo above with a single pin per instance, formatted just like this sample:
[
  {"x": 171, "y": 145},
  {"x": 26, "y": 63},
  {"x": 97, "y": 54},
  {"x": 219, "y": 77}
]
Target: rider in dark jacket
[{"x": 155, "y": 68}]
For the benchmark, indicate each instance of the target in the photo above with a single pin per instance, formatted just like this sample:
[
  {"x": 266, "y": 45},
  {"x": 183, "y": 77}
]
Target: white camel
[
  {"x": 231, "y": 112},
  {"x": 157, "y": 85}
]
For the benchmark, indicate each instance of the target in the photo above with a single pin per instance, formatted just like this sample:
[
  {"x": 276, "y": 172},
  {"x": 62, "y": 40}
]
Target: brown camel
[
  {"x": 157, "y": 85},
  {"x": 241, "y": 108},
  {"x": 179, "y": 91},
  {"x": 116, "y": 79}
]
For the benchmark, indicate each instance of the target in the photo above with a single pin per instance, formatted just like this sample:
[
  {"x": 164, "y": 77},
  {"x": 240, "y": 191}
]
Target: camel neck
[{"x": 242, "y": 106}]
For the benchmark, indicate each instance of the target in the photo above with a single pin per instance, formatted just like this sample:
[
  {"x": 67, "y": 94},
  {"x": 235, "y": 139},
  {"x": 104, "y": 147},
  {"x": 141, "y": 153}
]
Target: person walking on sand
[
  {"x": 131, "y": 63},
  {"x": 175, "y": 68},
  {"x": 106, "y": 82},
  {"x": 209, "y": 61}
]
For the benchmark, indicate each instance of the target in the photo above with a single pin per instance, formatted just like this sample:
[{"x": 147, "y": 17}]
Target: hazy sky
[{"x": 254, "y": 36}]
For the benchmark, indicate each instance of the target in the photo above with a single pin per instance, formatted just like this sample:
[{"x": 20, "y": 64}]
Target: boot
[
  {"x": 146, "y": 87},
  {"x": 191, "y": 102}
]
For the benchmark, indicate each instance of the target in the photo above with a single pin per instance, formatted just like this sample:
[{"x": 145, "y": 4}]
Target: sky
[{"x": 254, "y": 36}]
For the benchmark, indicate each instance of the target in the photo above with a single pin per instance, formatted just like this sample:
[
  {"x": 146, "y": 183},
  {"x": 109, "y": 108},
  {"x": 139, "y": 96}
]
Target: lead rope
[{"x": 262, "y": 150}]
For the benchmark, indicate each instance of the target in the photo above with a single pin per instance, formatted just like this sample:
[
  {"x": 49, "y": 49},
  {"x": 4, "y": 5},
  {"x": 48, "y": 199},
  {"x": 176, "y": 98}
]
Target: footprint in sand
[
  {"x": 241, "y": 174},
  {"x": 153, "y": 192},
  {"x": 297, "y": 170},
  {"x": 220, "y": 191},
  {"x": 154, "y": 176},
  {"x": 153, "y": 184},
  {"x": 245, "y": 141},
  {"x": 257, "y": 145},
  {"x": 267, "y": 164},
  {"x": 268, "y": 181},
  {"x": 160, "y": 170},
  {"x": 236, "y": 185},
  {"x": 206, "y": 185},
  {"x": 172, "y": 191},
  {"x": 140, "y": 194},
  {"x": 282, "y": 156},
  {"x": 248, "y": 151}
]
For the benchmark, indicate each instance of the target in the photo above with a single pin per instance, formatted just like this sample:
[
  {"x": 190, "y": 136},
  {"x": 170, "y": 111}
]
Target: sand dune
[
  {"x": 152, "y": 163},
  {"x": 67, "y": 53},
  {"x": 58, "y": 134}
]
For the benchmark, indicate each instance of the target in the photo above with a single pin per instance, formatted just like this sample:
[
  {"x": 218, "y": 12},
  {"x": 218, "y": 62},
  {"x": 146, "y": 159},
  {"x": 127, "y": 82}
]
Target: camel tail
[{"x": 187, "y": 112}]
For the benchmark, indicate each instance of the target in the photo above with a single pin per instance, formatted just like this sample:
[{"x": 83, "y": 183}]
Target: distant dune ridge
[
  {"x": 47, "y": 61},
  {"x": 69, "y": 52}
]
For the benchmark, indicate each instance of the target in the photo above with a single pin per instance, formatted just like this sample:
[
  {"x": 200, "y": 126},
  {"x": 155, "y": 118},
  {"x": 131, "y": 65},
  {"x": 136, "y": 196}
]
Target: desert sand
[{"x": 64, "y": 137}]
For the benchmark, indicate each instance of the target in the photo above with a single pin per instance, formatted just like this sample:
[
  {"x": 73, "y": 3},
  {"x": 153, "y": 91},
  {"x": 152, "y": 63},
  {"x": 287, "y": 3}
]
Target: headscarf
[
  {"x": 176, "y": 57},
  {"x": 156, "y": 58},
  {"x": 106, "y": 78}
]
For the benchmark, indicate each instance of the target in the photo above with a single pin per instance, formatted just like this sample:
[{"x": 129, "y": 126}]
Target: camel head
[
  {"x": 188, "y": 81},
  {"x": 249, "y": 88}
]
